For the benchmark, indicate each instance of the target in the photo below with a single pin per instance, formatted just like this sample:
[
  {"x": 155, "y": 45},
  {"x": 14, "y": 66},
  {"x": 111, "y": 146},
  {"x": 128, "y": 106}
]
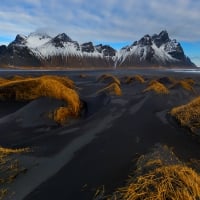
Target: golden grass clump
[
  {"x": 62, "y": 79},
  {"x": 157, "y": 87},
  {"x": 173, "y": 182},
  {"x": 9, "y": 168},
  {"x": 188, "y": 115},
  {"x": 113, "y": 89},
  {"x": 160, "y": 175},
  {"x": 11, "y": 151},
  {"x": 3, "y": 80},
  {"x": 186, "y": 84},
  {"x": 61, "y": 114},
  {"x": 130, "y": 79},
  {"x": 109, "y": 77},
  {"x": 44, "y": 86},
  {"x": 139, "y": 78}
]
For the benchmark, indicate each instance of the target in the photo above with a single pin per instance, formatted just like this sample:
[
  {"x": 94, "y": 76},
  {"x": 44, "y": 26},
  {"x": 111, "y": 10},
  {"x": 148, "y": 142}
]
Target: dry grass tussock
[
  {"x": 130, "y": 79},
  {"x": 45, "y": 86},
  {"x": 3, "y": 80},
  {"x": 113, "y": 89},
  {"x": 186, "y": 84},
  {"x": 159, "y": 176},
  {"x": 110, "y": 78},
  {"x": 174, "y": 182},
  {"x": 9, "y": 168},
  {"x": 62, "y": 79},
  {"x": 157, "y": 87},
  {"x": 188, "y": 115},
  {"x": 61, "y": 114}
]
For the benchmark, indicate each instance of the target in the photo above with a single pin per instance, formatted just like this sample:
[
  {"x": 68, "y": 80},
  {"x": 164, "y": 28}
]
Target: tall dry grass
[
  {"x": 9, "y": 168},
  {"x": 188, "y": 115},
  {"x": 157, "y": 87},
  {"x": 113, "y": 86},
  {"x": 27, "y": 89},
  {"x": 160, "y": 175},
  {"x": 110, "y": 78},
  {"x": 61, "y": 114},
  {"x": 130, "y": 79},
  {"x": 186, "y": 84},
  {"x": 174, "y": 182},
  {"x": 113, "y": 89}
]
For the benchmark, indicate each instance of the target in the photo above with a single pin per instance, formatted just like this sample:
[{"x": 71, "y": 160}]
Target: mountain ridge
[{"x": 40, "y": 49}]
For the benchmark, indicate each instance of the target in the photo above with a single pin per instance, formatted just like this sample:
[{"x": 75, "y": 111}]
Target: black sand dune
[{"x": 101, "y": 147}]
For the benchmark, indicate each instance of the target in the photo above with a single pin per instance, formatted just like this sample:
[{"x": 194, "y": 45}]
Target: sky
[{"x": 113, "y": 22}]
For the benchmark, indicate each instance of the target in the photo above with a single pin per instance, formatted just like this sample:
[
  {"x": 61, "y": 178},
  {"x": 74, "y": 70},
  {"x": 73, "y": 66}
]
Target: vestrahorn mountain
[{"x": 39, "y": 49}]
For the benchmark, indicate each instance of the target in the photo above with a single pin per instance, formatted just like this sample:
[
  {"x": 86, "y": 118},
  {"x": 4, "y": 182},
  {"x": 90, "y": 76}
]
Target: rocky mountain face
[
  {"x": 156, "y": 50},
  {"x": 39, "y": 49}
]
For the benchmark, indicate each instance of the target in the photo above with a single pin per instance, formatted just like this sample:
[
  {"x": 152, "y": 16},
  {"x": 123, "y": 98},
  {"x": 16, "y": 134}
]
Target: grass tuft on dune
[
  {"x": 28, "y": 89},
  {"x": 160, "y": 175},
  {"x": 188, "y": 115},
  {"x": 157, "y": 87},
  {"x": 174, "y": 182},
  {"x": 62, "y": 79},
  {"x": 8, "y": 151},
  {"x": 110, "y": 78},
  {"x": 60, "y": 115},
  {"x": 113, "y": 86},
  {"x": 9, "y": 168},
  {"x": 113, "y": 89},
  {"x": 186, "y": 84},
  {"x": 130, "y": 79}
]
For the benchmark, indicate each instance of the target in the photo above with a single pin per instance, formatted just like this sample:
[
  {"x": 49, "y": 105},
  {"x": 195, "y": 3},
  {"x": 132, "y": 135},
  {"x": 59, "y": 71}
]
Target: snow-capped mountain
[
  {"x": 40, "y": 49},
  {"x": 156, "y": 50}
]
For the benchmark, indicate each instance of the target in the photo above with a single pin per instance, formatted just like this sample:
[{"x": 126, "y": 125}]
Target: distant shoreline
[{"x": 24, "y": 68}]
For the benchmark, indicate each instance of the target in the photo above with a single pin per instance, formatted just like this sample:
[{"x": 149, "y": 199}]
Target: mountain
[
  {"x": 156, "y": 50},
  {"x": 40, "y": 49}
]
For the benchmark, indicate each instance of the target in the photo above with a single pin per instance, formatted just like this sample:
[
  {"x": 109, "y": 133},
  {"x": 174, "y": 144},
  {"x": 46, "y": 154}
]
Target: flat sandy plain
[{"x": 101, "y": 147}]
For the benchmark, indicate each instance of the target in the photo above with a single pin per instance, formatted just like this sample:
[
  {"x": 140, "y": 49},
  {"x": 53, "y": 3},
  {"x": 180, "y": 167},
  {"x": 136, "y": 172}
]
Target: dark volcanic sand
[{"x": 100, "y": 148}]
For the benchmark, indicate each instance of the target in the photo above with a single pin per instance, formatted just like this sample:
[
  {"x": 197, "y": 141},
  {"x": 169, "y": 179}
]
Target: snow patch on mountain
[
  {"x": 37, "y": 40},
  {"x": 162, "y": 54}
]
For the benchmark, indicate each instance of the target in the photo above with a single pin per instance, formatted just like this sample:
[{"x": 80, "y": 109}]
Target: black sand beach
[{"x": 99, "y": 148}]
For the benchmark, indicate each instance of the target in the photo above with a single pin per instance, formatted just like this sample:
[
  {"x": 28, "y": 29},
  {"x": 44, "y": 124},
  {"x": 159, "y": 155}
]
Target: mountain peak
[
  {"x": 60, "y": 40},
  {"x": 63, "y": 37},
  {"x": 87, "y": 47},
  {"x": 161, "y": 38},
  {"x": 19, "y": 40},
  {"x": 146, "y": 40}
]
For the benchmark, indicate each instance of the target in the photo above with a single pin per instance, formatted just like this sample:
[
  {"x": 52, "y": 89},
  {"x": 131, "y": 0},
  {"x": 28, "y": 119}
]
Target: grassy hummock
[
  {"x": 27, "y": 89},
  {"x": 157, "y": 87},
  {"x": 188, "y": 115}
]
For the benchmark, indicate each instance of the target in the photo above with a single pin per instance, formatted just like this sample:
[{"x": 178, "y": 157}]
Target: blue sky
[{"x": 113, "y": 22}]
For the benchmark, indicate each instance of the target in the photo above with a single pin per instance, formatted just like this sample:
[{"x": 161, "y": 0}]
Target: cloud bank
[{"x": 105, "y": 20}]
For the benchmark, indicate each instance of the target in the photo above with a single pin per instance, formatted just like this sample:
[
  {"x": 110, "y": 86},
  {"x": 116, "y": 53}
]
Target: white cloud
[{"x": 105, "y": 20}]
